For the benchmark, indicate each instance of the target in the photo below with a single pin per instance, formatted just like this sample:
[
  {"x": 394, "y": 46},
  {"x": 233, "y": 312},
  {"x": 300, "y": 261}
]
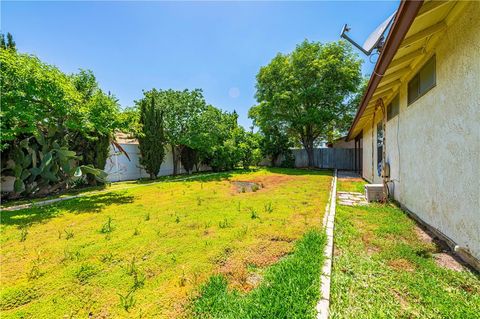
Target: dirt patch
[
  {"x": 275, "y": 180},
  {"x": 423, "y": 235},
  {"x": 246, "y": 186},
  {"x": 260, "y": 183},
  {"x": 401, "y": 299},
  {"x": 243, "y": 268},
  {"x": 372, "y": 249},
  {"x": 401, "y": 264},
  {"x": 446, "y": 260}
]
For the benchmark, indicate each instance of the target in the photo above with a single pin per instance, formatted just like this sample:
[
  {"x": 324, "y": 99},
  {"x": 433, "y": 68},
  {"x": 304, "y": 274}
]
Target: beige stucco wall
[{"x": 433, "y": 145}]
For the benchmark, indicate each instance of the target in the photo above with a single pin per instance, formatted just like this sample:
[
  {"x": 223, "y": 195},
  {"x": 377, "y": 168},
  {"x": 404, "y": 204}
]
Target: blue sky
[{"x": 216, "y": 46}]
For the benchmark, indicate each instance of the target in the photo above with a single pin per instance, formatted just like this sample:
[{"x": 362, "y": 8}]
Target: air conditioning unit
[{"x": 374, "y": 192}]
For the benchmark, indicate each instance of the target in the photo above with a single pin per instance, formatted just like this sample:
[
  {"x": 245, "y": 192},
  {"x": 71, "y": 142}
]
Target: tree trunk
[
  {"x": 274, "y": 160},
  {"x": 175, "y": 162},
  {"x": 308, "y": 145}
]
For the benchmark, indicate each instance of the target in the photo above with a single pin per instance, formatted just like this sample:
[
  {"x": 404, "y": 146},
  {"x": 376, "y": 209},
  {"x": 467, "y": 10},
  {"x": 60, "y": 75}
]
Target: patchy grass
[
  {"x": 289, "y": 289},
  {"x": 146, "y": 251},
  {"x": 351, "y": 185},
  {"x": 382, "y": 268}
]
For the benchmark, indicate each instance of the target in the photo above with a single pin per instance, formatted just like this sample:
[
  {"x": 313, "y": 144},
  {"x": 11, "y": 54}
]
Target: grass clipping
[{"x": 290, "y": 289}]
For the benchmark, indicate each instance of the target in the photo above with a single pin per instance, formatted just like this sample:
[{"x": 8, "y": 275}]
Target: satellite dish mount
[{"x": 376, "y": 39}]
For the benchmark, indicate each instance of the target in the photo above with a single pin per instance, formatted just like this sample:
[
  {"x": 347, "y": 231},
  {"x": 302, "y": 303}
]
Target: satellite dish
[{"x": 374, "y": 41}]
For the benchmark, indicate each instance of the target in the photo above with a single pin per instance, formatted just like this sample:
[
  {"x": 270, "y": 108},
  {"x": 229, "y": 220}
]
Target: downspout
[
  {"x": 381, "y": 106},
  {"x": 384, "y": 152},
  {"x": 373, "y": 152}
]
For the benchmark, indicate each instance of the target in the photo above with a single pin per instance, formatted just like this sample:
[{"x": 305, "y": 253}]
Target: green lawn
[
  {"x": 155, "y": 250},
  {"x": 382, "y": 268}
]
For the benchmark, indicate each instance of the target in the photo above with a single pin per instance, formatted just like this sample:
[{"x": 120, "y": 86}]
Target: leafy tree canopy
[{"x": 308, "y": 90}]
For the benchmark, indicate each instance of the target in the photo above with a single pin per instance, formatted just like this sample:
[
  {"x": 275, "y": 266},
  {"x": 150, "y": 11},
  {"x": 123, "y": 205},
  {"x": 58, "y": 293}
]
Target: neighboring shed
[
  {"x": 120, "y": 168},
  {"x": 341, "y": 143},
  {"x": 420, "y": 116}
]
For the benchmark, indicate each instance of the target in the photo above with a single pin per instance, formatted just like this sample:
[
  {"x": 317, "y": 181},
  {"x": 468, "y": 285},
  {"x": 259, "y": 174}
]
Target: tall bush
[{"x": 151, "y": 137}]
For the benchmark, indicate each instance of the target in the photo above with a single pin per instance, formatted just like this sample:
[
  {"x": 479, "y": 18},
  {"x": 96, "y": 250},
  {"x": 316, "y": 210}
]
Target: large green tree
[
  {"x": 41, "y": 112},
  {"x": 183, "y": 111},
  {"x": 307, "y": 91}
]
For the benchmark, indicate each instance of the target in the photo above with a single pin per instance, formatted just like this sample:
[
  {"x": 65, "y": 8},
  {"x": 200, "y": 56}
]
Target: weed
[
  {"x": 68, "y": 234},
  {"x": 136, "y": 232},
  {"x": 127, "y": 301},
  {"x": 106, "y": 258},
  {"x": 177, "y": 219},
  {"x": 183, "y": 279},
  {"x": 147, "y": 217},
  {"x": 67, "y": 255},
  {"x": 131, "y": 267},
  {"x": 59, "y": 234},
  {"x": 255, "y": 187},
  {"x": 34, "y": 272},
  {"x": 85, "y": 272},
  {"x": 174, "y": 258},
  {"x": 107, "y": 227},
  {"x": 224, "y": 223},
  {"x": 253, "y": 213},
  {"x": 243, "y": 190},
  {"x": 268, "y": 207},
  {"x": 138, "y": 280},
  {"x": 199, "y": 201},
  {"x": 242, "y": 232},
  {"x": 23, "y": 233},
  {"x": 239, "y": 206}
]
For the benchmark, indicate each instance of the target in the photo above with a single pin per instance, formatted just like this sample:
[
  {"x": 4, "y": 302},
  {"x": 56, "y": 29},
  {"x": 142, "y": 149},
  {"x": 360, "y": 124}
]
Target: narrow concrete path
[
  {"x": 92, "y": 193},
  {"x": 328, "y": 224}
]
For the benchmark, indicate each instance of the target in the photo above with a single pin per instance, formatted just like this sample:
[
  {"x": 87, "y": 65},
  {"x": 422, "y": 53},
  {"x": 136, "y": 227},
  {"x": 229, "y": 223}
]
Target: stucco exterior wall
[{"x": 433, "y": 145}]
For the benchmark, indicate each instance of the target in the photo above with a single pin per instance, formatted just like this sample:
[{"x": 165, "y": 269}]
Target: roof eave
[{"x": 406, "y": 14}]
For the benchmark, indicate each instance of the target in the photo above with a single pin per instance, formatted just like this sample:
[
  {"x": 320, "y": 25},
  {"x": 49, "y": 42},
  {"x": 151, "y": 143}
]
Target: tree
[
  {"x": 183, "y": 110},
  {"x": 9, "y": 43},
  {"x": 41, "y": 112},
  {"x": 101, "y": 120},
  {"x": 152, "y": 136},
  {"x": 274, "y": 139},
  {"x": 35, "y": 96},
  {"x": 308, "y": 90}
]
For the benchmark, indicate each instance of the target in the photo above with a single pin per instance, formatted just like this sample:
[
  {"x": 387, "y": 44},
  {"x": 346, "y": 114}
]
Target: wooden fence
[{"x": 339, "y": 158}]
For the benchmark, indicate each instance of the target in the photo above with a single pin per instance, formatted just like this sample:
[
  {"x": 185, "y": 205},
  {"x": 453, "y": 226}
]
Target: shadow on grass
[
  {"x": 87, "y": 204},
  {"x": 300, "y": 171}
]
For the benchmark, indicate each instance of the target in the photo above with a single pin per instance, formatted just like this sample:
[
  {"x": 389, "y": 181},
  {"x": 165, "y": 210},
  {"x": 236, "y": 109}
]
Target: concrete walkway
[{"x": 328, "y": 224}]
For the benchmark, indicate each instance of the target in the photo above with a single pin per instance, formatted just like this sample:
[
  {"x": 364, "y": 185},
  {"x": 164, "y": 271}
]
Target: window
[
  {"x": 423, "y": 81},
  {"x": 392, "y": 108}
]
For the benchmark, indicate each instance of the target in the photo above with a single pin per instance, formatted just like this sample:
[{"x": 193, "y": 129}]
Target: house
[
  {"x": 419, "y": 120},
  {"x": 341, "y": 143}
]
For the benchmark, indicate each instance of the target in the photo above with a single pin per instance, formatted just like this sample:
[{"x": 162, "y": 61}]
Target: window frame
[
  {"x": 418, "y": 80},
  {"x": 396, "y": 101}
]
